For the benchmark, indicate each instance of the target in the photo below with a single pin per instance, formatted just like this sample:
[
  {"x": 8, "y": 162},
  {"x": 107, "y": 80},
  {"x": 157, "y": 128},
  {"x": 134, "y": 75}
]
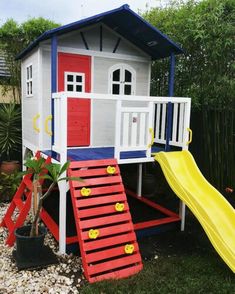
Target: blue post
[
  {"x": 53, "y": 79},
  {"x": 169, "y": 106}
]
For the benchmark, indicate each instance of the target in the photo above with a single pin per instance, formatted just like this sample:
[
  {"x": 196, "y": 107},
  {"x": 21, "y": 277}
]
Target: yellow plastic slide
[{"x": 213, "y": 211}]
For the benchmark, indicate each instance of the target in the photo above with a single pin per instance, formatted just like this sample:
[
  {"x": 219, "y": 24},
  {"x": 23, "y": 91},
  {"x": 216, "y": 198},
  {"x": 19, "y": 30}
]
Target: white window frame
[
  {"x": 29, "y": 80},
  {"x": 74, "y": 82},
  {"x": 122, "y": 67}
]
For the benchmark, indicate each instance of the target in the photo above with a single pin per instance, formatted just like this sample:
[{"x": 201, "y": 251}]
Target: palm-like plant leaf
[{"x": 10, "y": 129}]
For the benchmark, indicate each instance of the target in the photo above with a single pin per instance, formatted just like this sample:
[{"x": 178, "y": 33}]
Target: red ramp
[{"x": 105, "y": 230}]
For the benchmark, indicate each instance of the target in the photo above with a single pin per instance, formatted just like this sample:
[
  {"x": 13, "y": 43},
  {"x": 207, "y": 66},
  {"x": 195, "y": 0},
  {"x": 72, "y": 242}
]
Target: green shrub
[{"x": 10, "y": 129}]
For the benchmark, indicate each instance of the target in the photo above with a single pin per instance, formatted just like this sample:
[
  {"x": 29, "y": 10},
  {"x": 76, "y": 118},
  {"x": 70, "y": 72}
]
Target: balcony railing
[{"x": 138, "y": 121}]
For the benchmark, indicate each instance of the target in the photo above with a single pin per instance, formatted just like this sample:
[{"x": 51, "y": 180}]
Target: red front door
[{"x": 74, "y": 74}]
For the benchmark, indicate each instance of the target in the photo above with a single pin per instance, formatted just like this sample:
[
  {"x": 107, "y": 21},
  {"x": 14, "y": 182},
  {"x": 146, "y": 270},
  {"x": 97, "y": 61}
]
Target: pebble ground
[{"x": 63, "y": 278}]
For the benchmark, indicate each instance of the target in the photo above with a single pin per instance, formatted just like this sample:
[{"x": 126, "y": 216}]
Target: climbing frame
[{"x": 105, "y": 230}]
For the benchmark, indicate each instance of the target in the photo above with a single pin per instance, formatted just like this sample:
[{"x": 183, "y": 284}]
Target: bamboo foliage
[
  {"x": 205, "y": 29},
  {"x": 219, "y": 153}
]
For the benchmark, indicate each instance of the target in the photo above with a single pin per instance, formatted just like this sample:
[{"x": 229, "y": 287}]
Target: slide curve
[{"x": 212, "y": 210}]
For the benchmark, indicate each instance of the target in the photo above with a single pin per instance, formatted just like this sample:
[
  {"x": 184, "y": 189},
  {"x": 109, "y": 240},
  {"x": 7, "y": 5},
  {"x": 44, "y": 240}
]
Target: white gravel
[{"x": 63, "y": 278}]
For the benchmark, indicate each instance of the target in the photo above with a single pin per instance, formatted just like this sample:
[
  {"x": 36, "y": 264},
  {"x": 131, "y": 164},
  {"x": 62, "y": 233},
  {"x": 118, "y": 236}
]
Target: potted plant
[
  {"x": 30, "y": 238},
  {"x": 10, "y": 136}
]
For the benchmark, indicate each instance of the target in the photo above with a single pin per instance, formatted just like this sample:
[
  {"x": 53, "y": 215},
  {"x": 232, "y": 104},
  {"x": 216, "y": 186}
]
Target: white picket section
[
  {"x": 180, "y": 122},
  {"x": 136, "y": 122}
]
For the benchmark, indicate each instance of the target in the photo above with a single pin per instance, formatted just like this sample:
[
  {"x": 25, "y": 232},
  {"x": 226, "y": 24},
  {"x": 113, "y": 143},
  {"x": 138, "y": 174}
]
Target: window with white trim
[
  {"x": 74, "y": 82},
  {"x": 29, "y": 80},
  {"x": 122, "y": 79}
]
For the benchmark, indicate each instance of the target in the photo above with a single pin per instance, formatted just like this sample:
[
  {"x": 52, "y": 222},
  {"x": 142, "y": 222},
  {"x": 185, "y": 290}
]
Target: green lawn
[
  {"x": 185, "y": 274},
  {"x": 180, "y": 263}
]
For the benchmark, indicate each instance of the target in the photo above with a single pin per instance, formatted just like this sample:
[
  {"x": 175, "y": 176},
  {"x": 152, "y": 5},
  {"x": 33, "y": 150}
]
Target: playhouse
[{"x": 86, "y": 98}]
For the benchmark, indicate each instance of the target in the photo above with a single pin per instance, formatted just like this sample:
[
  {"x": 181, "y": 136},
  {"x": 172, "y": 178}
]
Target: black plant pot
[{"x": 29, "y": 248}]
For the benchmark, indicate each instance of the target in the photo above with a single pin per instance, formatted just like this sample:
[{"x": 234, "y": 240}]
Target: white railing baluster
[
  {"x": 181, "y": 123},
  {"x": 125, "y": 129},
  {"x": 157, "y": 124},
  {"x": 175, "y": 123},
  {"x": 142, "y": 134},
  {"x": 163, "y": 122}
]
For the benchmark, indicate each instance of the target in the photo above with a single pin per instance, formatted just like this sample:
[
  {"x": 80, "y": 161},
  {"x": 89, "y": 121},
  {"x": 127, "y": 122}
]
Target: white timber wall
[
  {"x": 46, "y": 95},
  {"x": 30, "y": 103}
]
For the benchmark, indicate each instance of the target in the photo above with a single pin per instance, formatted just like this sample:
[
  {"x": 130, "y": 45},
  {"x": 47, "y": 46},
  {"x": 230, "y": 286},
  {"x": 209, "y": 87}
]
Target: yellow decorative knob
[
  {"x": 35, "y": 118},
  {"x": 111, "y": 170},
  {"x": 85, "y": 191},
  {"x": 119, "y": 206},
  {"x": 129, "y": 248},
  {"x": 93, "y": 234}
]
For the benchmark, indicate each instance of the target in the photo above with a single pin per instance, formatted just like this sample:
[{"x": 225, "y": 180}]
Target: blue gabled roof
[{"x": 125, "y": 22}]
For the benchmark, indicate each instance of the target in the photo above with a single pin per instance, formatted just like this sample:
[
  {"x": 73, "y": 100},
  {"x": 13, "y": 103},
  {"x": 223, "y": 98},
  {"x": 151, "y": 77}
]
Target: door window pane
[
  {"x": 69, "y": 87},
  {"x": 78, "y": 88},
  {"x": 70, "y": 78},
  {"x": 78, "y": 79},
  {"x": 116, "y": 89}
]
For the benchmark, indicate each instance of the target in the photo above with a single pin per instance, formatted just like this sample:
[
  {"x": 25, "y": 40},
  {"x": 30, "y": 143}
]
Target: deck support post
[
  {"x": 139, "y": 182},
  {"x": 63, "y": 184},
  {"x": 23, "y": 157},
  {"x": 182, "y": 211}
]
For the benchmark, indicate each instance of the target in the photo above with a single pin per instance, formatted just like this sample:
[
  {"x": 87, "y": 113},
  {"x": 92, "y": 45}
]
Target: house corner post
[{"x": 53, "y": 79}]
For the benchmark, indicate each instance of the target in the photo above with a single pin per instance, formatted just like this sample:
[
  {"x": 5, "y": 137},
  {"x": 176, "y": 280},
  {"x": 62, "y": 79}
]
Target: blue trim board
[
  {"x": 99, "y": 153},
  {"x": 53, "y": 80},
  {"x": 125, "y": 22}
]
